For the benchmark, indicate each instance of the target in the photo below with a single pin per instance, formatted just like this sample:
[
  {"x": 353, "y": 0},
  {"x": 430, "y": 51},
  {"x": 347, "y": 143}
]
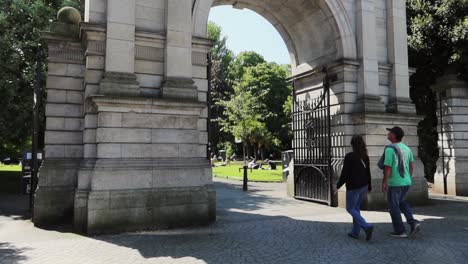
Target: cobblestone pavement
[{"x": 261, "y": 226}]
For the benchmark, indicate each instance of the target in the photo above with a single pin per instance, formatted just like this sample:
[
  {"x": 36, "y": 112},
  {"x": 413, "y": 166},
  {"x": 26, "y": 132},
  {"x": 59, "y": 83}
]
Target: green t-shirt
[{"x": 391, "y": 160}]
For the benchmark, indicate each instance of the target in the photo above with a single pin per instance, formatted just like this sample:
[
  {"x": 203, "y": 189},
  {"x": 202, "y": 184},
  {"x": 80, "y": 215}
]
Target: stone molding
[
  {"x": 96, "y": 48},
  {"x": 118, "y": 83},
  {"x": 64, "y": 52},
  {"x": 370, "y": 104},
  {"x": 199, "y": 58},
  {"x": 146, "y": 105},
  {"x": 149, "y": 53},
  {"x": 179, "y": 88},
  {"x": 401, "y": 105}
]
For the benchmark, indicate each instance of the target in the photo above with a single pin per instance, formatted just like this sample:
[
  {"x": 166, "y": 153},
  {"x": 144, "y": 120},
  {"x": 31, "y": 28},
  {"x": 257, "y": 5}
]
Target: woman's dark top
[{"x": 356, "y": 173}]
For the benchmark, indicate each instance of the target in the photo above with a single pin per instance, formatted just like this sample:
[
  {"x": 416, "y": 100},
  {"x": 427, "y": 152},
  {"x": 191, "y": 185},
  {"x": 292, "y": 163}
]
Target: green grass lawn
[
  {"x": 10, "y": 167},
  {"x": 10, "y": 178},
  {"x": 232, "y": 172}
]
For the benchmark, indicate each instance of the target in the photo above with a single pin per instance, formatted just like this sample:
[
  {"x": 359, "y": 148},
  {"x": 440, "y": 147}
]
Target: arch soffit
[{"x": 347, "y": 47}]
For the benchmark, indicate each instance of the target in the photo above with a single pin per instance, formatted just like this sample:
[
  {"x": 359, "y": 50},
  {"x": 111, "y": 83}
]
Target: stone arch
[{"x": 316, "y": 32}]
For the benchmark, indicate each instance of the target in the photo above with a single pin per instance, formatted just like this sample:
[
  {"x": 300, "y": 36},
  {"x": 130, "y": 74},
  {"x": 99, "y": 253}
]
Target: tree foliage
[
  {"x": 248, "y": 95},
  {"x": 221, "y": 82},
  {"x": 21, "y": 22},
  {"x": 438, "y": 45}
]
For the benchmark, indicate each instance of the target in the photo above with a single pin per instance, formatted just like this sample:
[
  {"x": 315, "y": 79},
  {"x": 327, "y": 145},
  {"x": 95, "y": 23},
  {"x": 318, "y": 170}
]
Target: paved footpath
[{"x": 261, "y": 226}]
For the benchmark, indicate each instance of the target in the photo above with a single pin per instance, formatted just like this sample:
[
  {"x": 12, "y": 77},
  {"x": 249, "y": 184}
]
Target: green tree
[
  {"x": 268, "y": 82},
  {"x": 21, "y": 22},
  {"x": 243, "y": 61},
  {"x": 243, "y": 116},
  {"x": 438, "y": 45},
  {"x": 221, "y": 84}
]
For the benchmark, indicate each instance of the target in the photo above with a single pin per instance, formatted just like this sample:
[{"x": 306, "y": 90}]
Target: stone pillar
[
  {"x": 371, "y": 117},
  {"x": 399, "y": 96},
  {"x": 453, "y": 140},
  {"x": 373, "y": 127},
  {"x": 178, "y": 82},
  {"x": 144, "y": 164},
  {"x": 120, "y": 78},
  {"x": 64, "y": 121},
  {"x": 369, "y": 99}
]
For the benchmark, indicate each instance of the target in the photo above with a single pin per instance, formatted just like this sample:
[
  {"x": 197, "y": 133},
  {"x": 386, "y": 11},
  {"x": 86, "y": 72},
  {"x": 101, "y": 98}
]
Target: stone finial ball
[{"x": 69, "y": 15}]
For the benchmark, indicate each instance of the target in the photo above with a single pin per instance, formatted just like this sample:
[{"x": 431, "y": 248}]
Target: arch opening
[{"x": 316, "y": 32}]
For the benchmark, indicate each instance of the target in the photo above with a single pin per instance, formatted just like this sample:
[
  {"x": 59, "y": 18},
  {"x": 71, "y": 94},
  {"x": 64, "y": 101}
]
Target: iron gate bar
[{"x": 312, "y": 146}]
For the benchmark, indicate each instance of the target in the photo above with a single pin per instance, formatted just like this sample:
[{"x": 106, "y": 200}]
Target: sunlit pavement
[{"x": 261, "y": 226}]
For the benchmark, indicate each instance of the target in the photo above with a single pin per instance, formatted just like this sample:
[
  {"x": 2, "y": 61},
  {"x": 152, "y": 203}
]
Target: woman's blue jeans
[{"x": 354, "y": 199}]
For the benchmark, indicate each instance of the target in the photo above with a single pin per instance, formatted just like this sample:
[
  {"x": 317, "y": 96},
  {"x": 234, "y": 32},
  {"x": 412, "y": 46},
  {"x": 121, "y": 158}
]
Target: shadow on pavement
[
  {"x": 242, "y": 235},
  {"x": 14, "y": 206},
  {"x": 10, "y": 254},
  {"x": 287, "y": 240}
]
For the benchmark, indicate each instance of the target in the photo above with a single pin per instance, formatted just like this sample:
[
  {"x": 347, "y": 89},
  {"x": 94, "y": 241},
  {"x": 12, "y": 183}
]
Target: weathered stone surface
[{"x": 114, "y": 211}]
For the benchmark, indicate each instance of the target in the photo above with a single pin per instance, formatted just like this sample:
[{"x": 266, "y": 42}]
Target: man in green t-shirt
[{"x": 398, "y": 170}]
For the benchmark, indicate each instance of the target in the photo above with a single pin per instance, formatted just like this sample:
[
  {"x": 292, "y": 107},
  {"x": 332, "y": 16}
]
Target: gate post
[{"x": 451, "y": 176}]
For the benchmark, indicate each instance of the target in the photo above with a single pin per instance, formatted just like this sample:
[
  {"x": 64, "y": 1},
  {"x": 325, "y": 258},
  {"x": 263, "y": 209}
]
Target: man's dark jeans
[{"x": 397, "y": 204}]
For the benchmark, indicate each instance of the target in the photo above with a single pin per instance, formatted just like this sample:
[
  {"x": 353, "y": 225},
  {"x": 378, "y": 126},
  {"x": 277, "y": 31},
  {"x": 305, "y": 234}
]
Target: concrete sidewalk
[{"x": 261, "y": 226}]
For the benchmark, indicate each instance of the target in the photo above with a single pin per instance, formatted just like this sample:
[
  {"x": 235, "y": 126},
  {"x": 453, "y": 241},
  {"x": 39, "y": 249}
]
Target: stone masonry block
[
  {"x": 192, "y": 150},
  {"x": 90, "y": 121},
  {"x": 165, "y": 150},
  {"x": 109, "y": 151},
  {"x": 90, "y": 151},
  {"x": 64, "y": 110},
  {"x": 95, "y": 62},
  {"x": 73, "y": 124},
  {"x": 63, "y": 137},
  {"x": 55, "y": 123},
  {"x": 122, "y": 135},
  {"x": 109, "y": 119},
  {"x": 149, "y": 67},
  {"x": 89, "y": 136},
  {"x": 174, "y": 136},
  {"x": 121, "y": 179},
  {"x": 56, "y": 96},
  {"x": 99, "y": 200},
  {"x": 137, "y": 151},
  {"x": 133, "y": 120},
  {"x": 164, "y": 178},
  {"x": 93, "y": 76},
  {"x": 64, "y": 83},
  {"x": 74, "y": 97},
  {"x": 74, "y": 151}
]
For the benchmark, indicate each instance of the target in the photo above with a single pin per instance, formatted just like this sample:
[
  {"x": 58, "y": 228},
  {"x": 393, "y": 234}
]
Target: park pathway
[{"x": 261, "y": 226}]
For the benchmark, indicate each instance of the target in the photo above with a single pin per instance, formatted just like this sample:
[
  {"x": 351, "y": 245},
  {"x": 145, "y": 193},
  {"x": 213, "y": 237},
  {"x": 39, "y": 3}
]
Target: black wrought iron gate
[{"x": 312, "y": 145}]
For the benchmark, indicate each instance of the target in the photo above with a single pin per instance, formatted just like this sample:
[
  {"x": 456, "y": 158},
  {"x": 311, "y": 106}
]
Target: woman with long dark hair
[{"x": 357, "y": 177}]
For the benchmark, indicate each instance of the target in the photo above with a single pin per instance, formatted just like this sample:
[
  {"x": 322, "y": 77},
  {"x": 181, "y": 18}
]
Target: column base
[
  {"x": 152, "y": 209},
  {"x": 119, "y": 84},
  {"x": 54, "y": 198},
  {"x": 179, "y": 88},
  {"x": 401, "y": 106},
  {"x": 369, "y": 103},
  {"x": 145, "y": 194},
  {"x": 456, "y": 170}
]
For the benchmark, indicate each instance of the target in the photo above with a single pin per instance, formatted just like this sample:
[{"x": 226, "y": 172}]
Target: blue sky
[{"x": 248, "y": 31}]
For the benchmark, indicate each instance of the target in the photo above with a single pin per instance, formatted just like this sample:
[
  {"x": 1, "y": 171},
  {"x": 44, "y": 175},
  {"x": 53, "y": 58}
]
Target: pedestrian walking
[
  {"x": 357, "y": 177},
  {"x": 398, "y": 165}
]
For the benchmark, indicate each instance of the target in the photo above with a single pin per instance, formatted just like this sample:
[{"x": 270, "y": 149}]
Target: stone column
[
  {"x": 369, "y": 99},
  {"x": 399, "y": 101},
  {"x": 64, "y": 120},
  {"x": 120, "y": 78},
  {"x": 178, "y": 81},
  {"x": 453, "y": 140}
]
